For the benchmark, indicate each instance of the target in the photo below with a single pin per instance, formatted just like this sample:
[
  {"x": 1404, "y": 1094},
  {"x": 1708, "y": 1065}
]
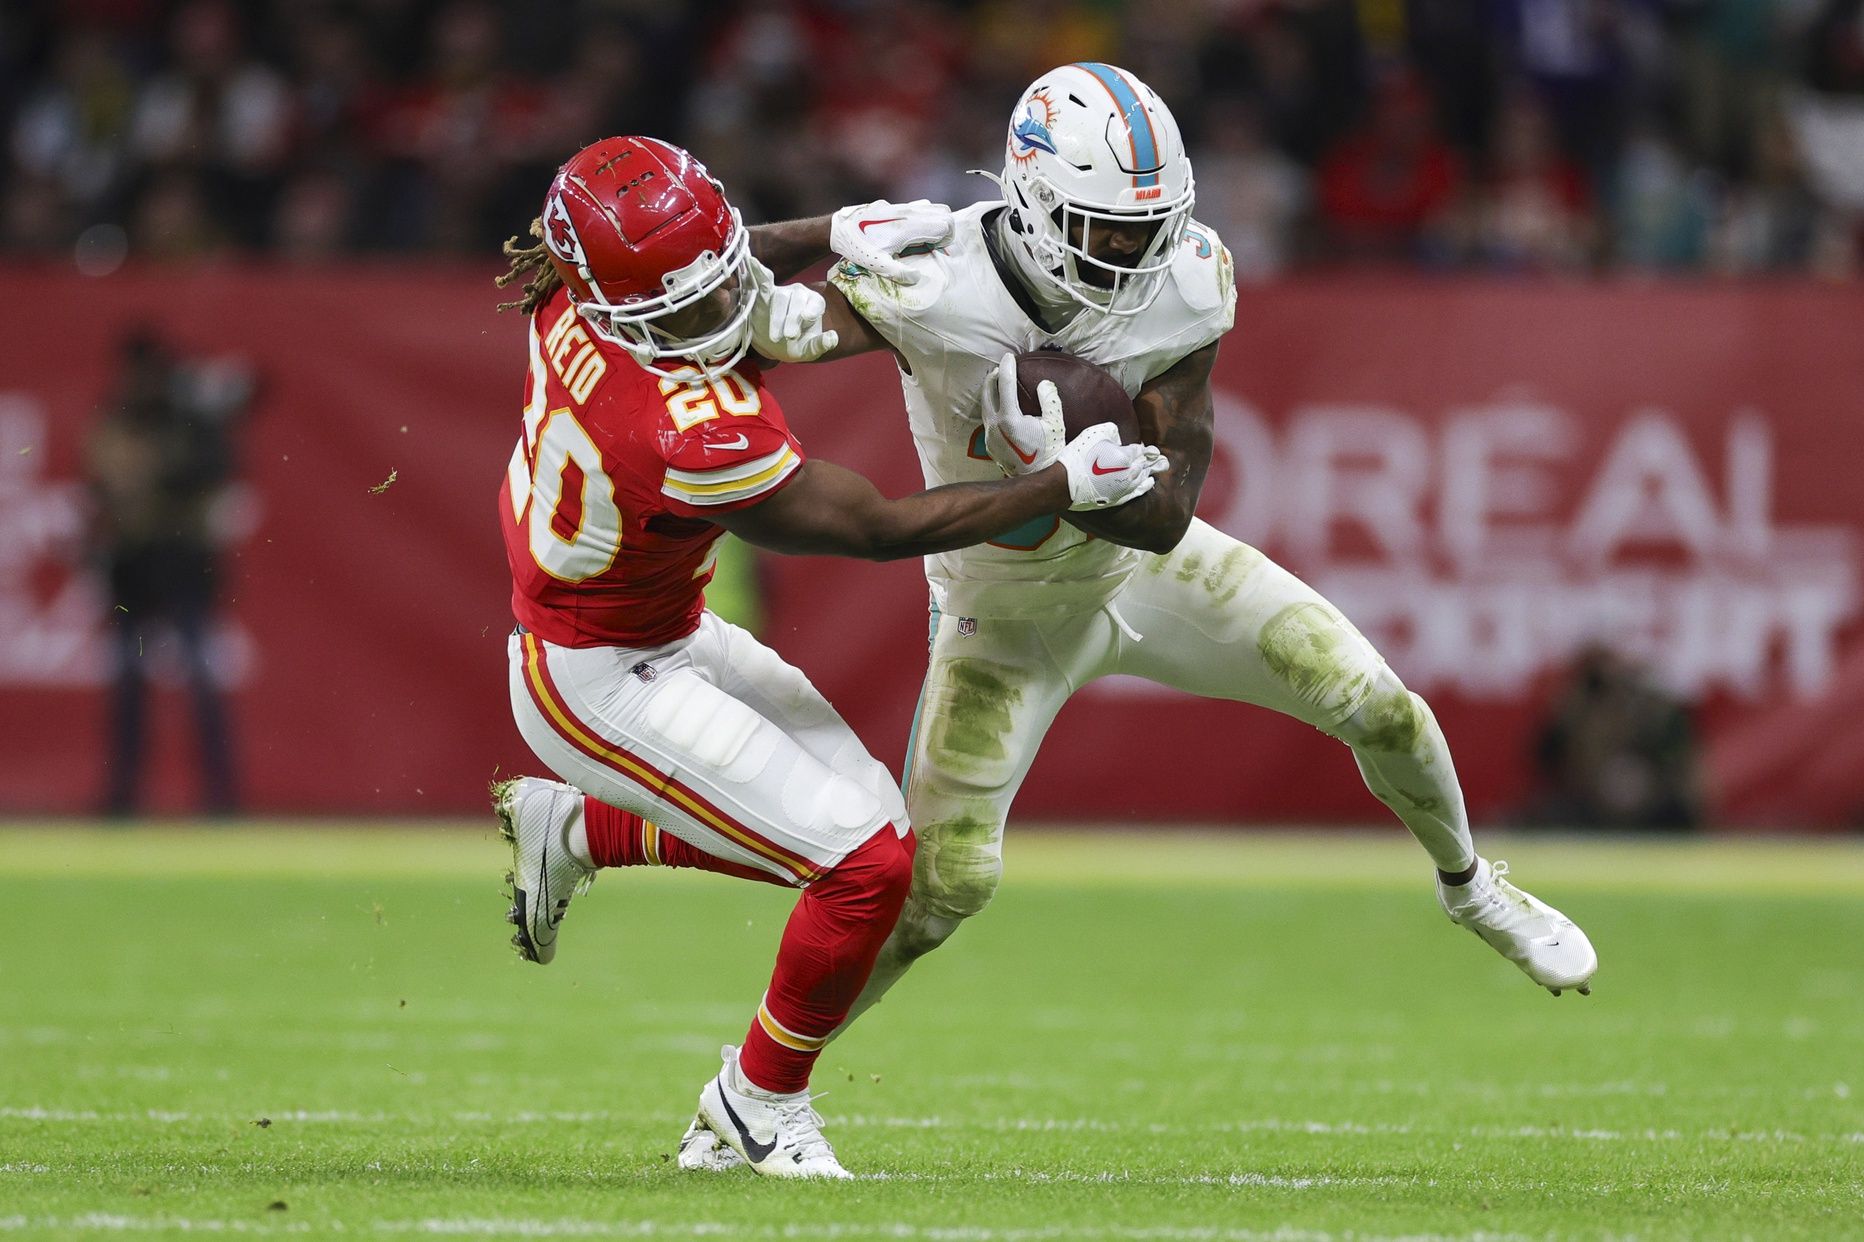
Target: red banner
[{"x": 1485, "y": 476}]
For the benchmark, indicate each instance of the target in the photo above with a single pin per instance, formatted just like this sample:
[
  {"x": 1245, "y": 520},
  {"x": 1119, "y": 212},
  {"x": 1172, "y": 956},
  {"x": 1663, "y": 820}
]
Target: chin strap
[{"x": 649, "y": 360}]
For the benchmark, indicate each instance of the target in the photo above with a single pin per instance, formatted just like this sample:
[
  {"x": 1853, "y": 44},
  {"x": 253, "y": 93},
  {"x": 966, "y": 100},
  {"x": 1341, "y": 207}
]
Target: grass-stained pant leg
[
  {"x": 1219, "y": 619},
  {"x": 992, "y": 689}
]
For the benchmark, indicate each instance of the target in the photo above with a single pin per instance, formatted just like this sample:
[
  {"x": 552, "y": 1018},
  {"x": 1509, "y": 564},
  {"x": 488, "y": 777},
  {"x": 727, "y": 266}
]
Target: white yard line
[
  {"x": 112, "y": 1222},
  {"x": 1011, "y": 1125},
  {"x": 933, "y": 1233},
  {"x": 528, "y": 1227},
  {"x": 1267, "y": 1181}
]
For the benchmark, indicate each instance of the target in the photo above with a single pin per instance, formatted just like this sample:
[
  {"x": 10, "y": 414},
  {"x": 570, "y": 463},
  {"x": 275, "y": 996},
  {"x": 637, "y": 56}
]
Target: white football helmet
[{"x": 1091, "y": 142}]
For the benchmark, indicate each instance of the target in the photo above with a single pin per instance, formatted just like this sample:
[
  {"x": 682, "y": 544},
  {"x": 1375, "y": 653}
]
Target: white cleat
[
  {"x": 1545, "y": 944},
  {"x": 701, "y": 1151},
  {"x": 777, "y": 1135},
  {"x": 535, "y": 816}
]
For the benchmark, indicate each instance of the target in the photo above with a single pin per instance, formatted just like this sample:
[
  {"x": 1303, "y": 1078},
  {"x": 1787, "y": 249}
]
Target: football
[{"x": 1089, "y": 395}]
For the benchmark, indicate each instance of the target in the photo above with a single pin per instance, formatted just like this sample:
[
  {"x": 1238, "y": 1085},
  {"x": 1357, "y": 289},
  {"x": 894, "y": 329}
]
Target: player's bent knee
[
  {"x": 874, "y": 879},
  {"x": 1392, "y": 720},
  {"x": 956, "y": 878}
]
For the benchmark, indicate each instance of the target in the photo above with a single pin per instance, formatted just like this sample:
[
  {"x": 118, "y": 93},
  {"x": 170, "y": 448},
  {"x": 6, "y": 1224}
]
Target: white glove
[
  {"x": 871, "y": 235},
  {"x": 1019, "y": 442},
  {"x": 786, "y": 321},
  {"x": 1102, "y": 472}
]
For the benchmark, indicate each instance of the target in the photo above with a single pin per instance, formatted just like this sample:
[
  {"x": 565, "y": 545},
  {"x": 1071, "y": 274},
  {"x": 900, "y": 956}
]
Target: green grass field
[{"x": 1150, "y": 1038}]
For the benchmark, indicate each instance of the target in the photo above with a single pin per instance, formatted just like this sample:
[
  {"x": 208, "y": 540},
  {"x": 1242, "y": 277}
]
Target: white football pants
[
  {"x": 714, "y": 738},
  {"x": 1216, "y": 618}
]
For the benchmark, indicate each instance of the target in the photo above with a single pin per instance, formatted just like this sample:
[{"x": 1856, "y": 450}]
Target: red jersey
[{"x": 607, "y": 503}]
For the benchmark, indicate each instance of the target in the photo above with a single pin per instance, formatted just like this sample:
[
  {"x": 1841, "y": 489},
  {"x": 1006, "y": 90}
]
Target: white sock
[{"x": 576, "y": 839}]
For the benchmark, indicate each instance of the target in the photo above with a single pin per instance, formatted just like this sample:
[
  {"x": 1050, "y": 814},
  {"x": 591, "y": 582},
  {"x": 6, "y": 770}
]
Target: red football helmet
[{"x": 641, "y": 233}]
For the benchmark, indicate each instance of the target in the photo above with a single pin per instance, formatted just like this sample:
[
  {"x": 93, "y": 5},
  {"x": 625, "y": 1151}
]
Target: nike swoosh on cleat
[
  {"x": 868, "y": 224},
  {"x": 754, "y": 1151},
  {"x": 543, "y": 892}
]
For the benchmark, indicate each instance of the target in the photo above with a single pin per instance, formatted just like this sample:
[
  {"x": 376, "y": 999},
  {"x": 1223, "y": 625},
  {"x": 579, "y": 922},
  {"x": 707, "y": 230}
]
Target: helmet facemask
[
  {"x": 638, "y": 325},
  {"x": 1053, "y": 232}
]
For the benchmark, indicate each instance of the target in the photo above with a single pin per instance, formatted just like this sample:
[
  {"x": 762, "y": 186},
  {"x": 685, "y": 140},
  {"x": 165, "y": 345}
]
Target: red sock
[
  {"x": 619, "y": 838},
  {"x": 828, "y": 950},
  {"x": 615, "y": 835}
]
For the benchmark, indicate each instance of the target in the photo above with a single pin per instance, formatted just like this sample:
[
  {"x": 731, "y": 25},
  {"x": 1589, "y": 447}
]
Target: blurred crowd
[
  {"x": 1533, "y": 135},
  {"x": 1617, "y": 750}
]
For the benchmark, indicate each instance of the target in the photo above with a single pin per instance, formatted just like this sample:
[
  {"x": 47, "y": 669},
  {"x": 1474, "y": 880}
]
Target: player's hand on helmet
[
  {"x": 786, "y": 321},
  {"x": 1103, "y": 472},
  {"x": 1016, "y": 441},
  {"x": 872, "y": 235}
]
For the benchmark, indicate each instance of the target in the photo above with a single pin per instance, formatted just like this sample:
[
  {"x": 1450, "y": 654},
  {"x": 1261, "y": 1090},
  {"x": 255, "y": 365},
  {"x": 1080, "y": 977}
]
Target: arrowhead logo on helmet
[{"x": 560, "y": 233}]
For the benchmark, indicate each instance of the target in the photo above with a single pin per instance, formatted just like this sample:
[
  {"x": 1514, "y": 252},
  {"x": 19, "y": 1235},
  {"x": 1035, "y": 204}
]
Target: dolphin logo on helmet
[{"x": 1030, "y": 133}]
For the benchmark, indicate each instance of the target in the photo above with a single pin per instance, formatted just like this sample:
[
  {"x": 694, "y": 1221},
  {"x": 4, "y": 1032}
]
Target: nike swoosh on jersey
[
  {"x": 865, "y": 225},
  {"x": 754, "y": 1151},
  {"x": 736, "y": 442}
]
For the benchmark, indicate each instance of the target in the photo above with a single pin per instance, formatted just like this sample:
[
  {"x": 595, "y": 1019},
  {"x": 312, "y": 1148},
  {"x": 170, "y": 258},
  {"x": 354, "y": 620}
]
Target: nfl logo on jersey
[
  {"x": 644, "y": 671},
  {"x": 967, "y": 626}
]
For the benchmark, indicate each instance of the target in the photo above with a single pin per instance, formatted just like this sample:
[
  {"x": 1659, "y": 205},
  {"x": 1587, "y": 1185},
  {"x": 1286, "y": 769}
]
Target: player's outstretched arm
[
  {"x": 854, "y": 335},
  {"x": 788, "y": 247},
  {"x": 871, "y": 234},
  {"x": 815, "y": 322},
  {"x": 829, "y": 511},
  {"x": 1174, "y": 413}
]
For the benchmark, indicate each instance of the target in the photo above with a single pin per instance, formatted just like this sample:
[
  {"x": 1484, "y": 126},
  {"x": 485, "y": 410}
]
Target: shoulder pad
[
  {"x": 881, "y": 301},
  {"x": 1204, "y": 273},
  {"x": 884, "y": 303},
  {"x": 726, "y": 465}
]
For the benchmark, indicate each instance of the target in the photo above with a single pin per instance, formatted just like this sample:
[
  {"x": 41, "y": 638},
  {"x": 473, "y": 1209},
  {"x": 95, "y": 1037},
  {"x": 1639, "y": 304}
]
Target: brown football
[{"x": 1089, "y": 395}]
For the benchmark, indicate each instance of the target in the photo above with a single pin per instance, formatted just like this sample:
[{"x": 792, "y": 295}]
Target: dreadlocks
[{"x": 530, "y": 264}]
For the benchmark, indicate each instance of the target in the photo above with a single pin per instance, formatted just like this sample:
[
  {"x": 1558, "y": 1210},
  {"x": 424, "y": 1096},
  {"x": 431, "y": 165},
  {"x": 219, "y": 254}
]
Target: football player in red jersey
[{"x": 648, "y": 433}]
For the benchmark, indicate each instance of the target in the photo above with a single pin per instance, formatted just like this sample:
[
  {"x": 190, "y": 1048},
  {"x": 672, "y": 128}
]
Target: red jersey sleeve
[{"x": 728, "y": 463}]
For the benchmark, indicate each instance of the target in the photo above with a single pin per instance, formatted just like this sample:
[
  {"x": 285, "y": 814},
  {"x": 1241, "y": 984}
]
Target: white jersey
[{"x": 951, "y": 329}]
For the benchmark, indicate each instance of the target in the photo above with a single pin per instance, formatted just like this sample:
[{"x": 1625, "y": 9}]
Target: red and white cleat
[
  {"x": 777, "y": 1135},
  {"x": 535, "y": 817}
]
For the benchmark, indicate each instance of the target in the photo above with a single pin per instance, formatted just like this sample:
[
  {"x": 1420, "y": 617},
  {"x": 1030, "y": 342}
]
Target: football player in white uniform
[{"x": 1094, "y": 251}]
